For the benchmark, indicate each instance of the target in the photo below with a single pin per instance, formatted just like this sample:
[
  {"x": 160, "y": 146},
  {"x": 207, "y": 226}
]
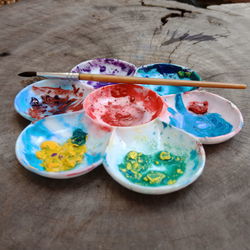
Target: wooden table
[{"x": 93, "y": 211}]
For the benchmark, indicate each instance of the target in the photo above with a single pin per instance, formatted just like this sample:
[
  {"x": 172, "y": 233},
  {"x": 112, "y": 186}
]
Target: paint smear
[
  {"x": 162, "y": 168},
  {"x": 56, "y": 157},
  {"x": 200, "y": 125},
  {"x": 168, "y": 71},
  {"x": 54, "y": 101},
  {"x": 107, "y": 66},
  {"x": 123, "y": 105}
]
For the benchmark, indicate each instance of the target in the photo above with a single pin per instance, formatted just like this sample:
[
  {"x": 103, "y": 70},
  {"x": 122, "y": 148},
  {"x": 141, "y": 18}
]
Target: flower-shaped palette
[{"x": 120, "y": 125}]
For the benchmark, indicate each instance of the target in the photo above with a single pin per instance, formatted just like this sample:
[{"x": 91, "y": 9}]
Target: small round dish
[
  {"x": 62, "y": 146},
  {"x": 50, "y": 97},
  {"x": 154, "y": 158},
  {"x": 108, "y": 66},
  {"x": 210, "y": 118},
  {"x": 123, "y": 105},
  {"x": 167, "y": 71}
]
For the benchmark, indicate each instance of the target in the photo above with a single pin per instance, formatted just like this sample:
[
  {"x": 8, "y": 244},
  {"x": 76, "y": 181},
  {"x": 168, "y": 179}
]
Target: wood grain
[{"x": 93, "y": 211}]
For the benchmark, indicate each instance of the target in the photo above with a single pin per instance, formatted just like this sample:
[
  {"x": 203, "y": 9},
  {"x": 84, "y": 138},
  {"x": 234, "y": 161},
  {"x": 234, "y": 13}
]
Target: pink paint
[{"x": 123, "y": 105}]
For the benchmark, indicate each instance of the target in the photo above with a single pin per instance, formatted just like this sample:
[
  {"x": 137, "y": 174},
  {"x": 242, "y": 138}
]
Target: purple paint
[{"x": 109, "y": 66}]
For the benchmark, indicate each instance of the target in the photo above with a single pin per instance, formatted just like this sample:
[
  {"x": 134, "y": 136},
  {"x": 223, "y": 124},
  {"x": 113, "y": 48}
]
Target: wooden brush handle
[{"x": 154, "y": 81}]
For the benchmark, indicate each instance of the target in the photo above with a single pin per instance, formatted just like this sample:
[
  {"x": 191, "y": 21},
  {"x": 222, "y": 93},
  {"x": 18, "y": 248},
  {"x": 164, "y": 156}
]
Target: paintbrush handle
[{"x": 154, "y": 81}]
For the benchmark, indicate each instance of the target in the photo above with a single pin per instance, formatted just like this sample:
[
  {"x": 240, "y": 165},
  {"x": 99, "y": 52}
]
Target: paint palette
[
  {"x": 168, "y": 71},
  {"x": 108, "y": 66},
  {"x": 123, "y": 105},
  {"x": 155, "y": 158},
  {"x": 209, "y": 117},
  {"x": 62, "y": 146},
  {"x": 51, "y": 97},
  {"x": 148, "y": 137}
]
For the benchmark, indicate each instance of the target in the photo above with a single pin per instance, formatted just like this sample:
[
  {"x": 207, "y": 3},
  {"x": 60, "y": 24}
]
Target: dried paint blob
[
  {"x": 162, "y": 168},
  {"x": 108, "y": 66},
  {"x": 168, "y": 71},
  {"x": 198, "y": 107},
  {"x": 56, "y": 157},
  {"x": 198, "y": 122},
  {"x": 123, "y": 105},
  {"x": 53, "y": 101}
]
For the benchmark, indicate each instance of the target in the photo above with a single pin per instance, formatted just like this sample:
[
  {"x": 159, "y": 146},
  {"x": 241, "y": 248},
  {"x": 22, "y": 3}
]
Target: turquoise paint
[
  {"x": 206, "y": 125},
  {"x": 168, "y": 71},
  {"x": 152, "y": 170},
  {"x": 92, "y": 159}
]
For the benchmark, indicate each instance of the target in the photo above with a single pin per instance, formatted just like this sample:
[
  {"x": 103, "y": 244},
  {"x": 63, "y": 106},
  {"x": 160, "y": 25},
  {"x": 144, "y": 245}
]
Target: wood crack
[
  {"x": 181, "y": 14},
  {"x": 165, "y": 18},
  {"x": 172, "y": 52}
]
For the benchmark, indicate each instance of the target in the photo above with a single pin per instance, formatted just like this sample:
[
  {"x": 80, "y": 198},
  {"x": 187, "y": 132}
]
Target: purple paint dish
[{"x": 108, "y": 66}]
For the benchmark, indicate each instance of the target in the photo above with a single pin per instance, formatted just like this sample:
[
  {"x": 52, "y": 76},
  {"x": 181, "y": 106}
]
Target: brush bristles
[{"x": 28, "y": 74}]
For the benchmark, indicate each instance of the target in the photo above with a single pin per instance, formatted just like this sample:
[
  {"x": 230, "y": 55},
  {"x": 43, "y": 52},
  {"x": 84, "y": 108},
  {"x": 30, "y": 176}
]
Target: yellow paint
[
  {"x": 132, "y": 155},
  {"x": 129, "y": 166},
  {"x": 179, "y": 171},
  {"x": 157, "y": 163},
  {"x": 58, "y": 157},
  {"x": 170, "y": 182},
  {"x": 154, "y": 178},
  {"x": 165, "y": 156}
]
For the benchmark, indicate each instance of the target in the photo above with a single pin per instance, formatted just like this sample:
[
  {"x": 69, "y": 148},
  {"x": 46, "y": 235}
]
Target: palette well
[
  {"x": 154, "y": 158},
  {"x": 167, "y": 71},
  {"x": 62, "y": 146},
  {"x": 209, "y": 117},
  {"x": 123, "y": 105},
  {"x": 109, "y": 66},
  {"x": 51, "y": 97}
]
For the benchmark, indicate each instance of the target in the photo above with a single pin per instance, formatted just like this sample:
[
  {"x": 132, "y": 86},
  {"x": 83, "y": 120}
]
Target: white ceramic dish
[
  {"x": 50, "y": 136},
  {"x": 51, "y": 97},
  {"x": 210, "y": 118},
  {"x": 131, "y": 149}
]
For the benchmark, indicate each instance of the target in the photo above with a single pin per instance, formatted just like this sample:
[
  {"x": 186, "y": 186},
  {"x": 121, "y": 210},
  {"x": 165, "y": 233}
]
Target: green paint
[
  {"x": 162, "y": 168},
  {"x": 78, "y": 137},
  {"x": 188, "y": 74}
]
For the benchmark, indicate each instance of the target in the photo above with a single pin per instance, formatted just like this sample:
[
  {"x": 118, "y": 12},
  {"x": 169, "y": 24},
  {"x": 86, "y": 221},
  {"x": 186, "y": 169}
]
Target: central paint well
[{"x": 123, "y": 105}]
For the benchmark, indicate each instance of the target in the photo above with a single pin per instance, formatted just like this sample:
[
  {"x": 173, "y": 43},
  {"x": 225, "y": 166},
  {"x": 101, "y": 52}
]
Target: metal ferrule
[{"x": 70, "y": 76}]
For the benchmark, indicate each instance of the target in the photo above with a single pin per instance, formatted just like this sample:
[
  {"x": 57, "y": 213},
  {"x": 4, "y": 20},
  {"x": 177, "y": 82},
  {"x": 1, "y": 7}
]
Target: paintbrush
[{"x": 133, "y": 80}]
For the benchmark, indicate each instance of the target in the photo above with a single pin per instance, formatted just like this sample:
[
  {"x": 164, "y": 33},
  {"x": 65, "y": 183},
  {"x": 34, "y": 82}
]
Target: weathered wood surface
[{"x": 93, "y": 211}]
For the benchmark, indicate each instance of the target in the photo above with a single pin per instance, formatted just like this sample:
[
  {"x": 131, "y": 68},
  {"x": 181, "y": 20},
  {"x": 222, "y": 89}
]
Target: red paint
[
  {"x": 198, "y": 107},
  {"x": 123, "y": 105},
  {"x": 56, "y": 101}
]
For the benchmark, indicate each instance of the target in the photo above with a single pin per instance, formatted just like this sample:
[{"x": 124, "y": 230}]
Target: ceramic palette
[
  {"x": 209, "y": 117},
  {"x": 167, "y": 71},
  {"x": 119, "y": 124},
  {"x": 123, "y": 105},
  {"x": 109, "y": 66},
  {"x": 50, "y": 97},
  {"x": 62, "y": 146},
  {"x": 154, "y": 158}
]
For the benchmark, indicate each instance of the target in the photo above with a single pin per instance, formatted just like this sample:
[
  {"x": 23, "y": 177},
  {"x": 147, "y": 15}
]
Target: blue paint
[
  {"x": 194, "y": 157},
  {"x": 92, "y": 159},
  {"x": 168, "y": 71},
  {"x": 206, "y": 125}
]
